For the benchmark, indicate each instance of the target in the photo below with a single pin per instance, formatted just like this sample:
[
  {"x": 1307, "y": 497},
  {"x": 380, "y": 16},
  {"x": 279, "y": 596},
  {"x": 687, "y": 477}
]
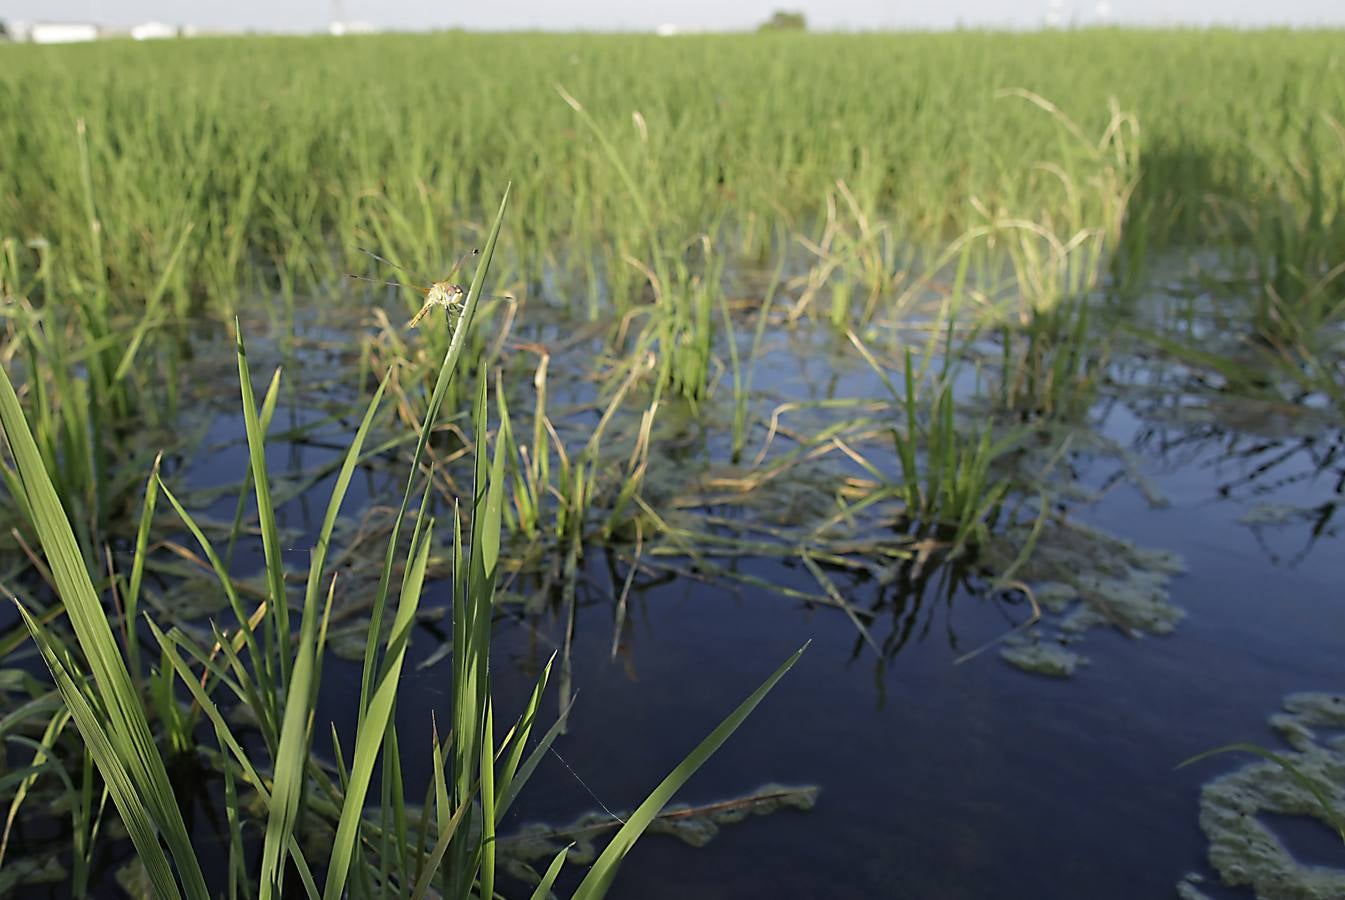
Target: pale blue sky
[{"x": 305, "y": 15}]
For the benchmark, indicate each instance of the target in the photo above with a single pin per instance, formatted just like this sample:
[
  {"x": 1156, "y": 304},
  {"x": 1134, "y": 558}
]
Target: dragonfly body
[{"x": 444, "y": 294}]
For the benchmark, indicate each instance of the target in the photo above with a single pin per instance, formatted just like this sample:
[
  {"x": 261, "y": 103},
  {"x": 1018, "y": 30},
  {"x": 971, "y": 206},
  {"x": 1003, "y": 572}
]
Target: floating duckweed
[
  {"x": 1056, "y": 596},
  {"x": 1044, "y": 657},
  {"x": 1243, "y": 848},
  {"x": 134, "y": 879},
  {"x": 1084, "y": 578},
  {"x": 1187, "y": 889},
  {"x": 1271, "y": 514},
  {"x": 1136, "y": 602},
  {"x": 30, "y": 871}
]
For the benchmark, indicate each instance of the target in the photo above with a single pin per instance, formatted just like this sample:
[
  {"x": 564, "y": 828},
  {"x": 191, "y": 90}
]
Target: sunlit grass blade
[
  {"x": 514, "y": 743},
  {"x": 549, "y": 877},
  {"x": 599, "y": 878},
  {"x": 170, "y": 643},
  {"x": 371, "y": 731},
  {"x": 279, "y": 619},
  {"x": 269, "y": 401},
  {"x": 301, "y": 688},
  {"x": 101, "y": 742},
  {"x": 132, "y": 599}
]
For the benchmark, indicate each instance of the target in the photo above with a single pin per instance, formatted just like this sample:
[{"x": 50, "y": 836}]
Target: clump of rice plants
[
  {"x": 348, "y": 148},
  {"x": 947, "y": 481},
  {"x": 1051, "y": 367},
  {"x": 1297, "y": 241},
  {"x": 94, "y": 380},
  {"x": 555, "y": 491},
  {"x": 265, "y": 666}
]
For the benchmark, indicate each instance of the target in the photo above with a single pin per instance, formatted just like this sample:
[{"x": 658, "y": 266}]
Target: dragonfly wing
[
  {"x": 458, "y": 265},
  {"x": 414, "y": 287},
  {"x": 384, "y": 259}
]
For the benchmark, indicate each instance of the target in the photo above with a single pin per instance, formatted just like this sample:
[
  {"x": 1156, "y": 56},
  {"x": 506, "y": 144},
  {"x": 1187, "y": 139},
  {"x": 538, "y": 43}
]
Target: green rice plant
[
  {"x": 856, "y": 249},
  {"x": 1051, "y": 367},
  {"x": 680, "y": 331},
  {"x": 106, "y": 709},
  {"x": 87, "y": 380},
  {"x": 353, "y": 145},
  {"x": 680, "y": 323},
  {"x": 1057, "y": 252},
  {"x": 1059, "y": 247},
  {"x": 1298, "y": 242},
  {"x": 278, "y": 678},
  {"x": 946, "y": 482},
  {"x": 529, "y": 461},
  {"x": 742, "y": 380},
  {"x": 556, "y": 490}
]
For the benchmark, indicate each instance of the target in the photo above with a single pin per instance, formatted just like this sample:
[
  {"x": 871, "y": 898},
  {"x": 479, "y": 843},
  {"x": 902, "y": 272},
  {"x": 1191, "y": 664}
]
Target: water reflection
[{"x": 1282, "y": 464}]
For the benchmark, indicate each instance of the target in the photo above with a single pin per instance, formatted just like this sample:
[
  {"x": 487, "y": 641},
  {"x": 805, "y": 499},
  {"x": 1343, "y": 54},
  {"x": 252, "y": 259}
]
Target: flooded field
[{"x": 1048, "y": 495}]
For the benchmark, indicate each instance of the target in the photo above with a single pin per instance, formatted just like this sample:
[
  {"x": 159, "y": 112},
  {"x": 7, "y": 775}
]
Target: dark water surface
[
  {"x": 937, "y": 778},
  {"x": 943, "y": 780}
]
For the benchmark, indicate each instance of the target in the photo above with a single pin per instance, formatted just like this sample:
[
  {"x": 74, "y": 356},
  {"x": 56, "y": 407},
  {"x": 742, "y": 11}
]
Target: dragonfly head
[{"x": 445, "y": 294}]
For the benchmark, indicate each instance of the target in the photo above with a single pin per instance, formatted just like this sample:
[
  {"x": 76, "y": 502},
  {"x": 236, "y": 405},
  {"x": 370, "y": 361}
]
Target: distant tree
[{"x": 785, "y": 21}]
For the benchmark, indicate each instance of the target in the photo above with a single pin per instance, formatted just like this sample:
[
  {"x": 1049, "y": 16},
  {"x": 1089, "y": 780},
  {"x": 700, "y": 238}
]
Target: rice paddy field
[{"x": 886, "y": 465}]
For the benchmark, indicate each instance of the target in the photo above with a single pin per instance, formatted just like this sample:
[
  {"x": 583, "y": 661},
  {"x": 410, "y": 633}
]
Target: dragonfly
[{"x": 444, "y": 294}]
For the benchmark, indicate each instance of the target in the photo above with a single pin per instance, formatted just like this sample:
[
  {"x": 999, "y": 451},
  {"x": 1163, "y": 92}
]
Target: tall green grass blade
[
  {"x": 373, "y": 729},
  {"x": 132, "y": 597},
  {"x": 170, "y": 644},
  {"x": 102, "y": 744},
  {"x": 486, "y": 872},
  {"x": 269, "y": 401},
  {"x": 445, "y": 377},
  {"x": 279, "y": 611},
  {"x": 544, "y": 886},
  {"x": 515, "y": 742},
  {"x": 599, "y": 878},
  {"x": 292, "y": 755},
  {"x": 126, "y": 753},
  {"x": 291, "y": 763}
]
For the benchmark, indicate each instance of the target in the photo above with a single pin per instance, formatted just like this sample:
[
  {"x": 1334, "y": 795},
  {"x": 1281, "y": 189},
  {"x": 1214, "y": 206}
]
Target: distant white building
[
  {"x": 56, "y": 32},
  {"x": 343, "y": 28},
  {"x": 153, "y": 31},
  {"x": 671, "y": 30},
  {"x": 191, "y": 31}
]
